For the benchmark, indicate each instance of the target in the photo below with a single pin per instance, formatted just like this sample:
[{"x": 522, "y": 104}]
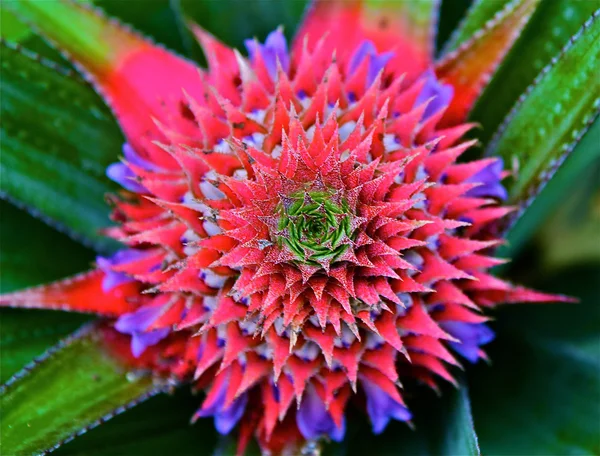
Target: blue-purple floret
[
  {"x": 439, "y": 95},
  {"x": 273, "y": 50},
  {"x": 136, "y": 324},
  {"x": 112, "y": 278},
  {"x": 471, "y": 336},
  {"x": 124, "y": 176},
  {"x": 313, "y": 419},
  {"x": 367, "y": 50},
  {"x": 381, "y": 407},
  {"x": 489, "y": 179},
  {"x": 225, "y": 418}
]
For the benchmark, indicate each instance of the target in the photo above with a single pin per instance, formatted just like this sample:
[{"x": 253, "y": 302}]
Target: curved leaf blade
[
  {"x": 33, "y": 253},
  {"x": 470, "y": 67},
  {"x": 548, "y": 31},
  {"x": 159, "y": 426},
  {"x": 550, "y": 118},
  {"x": 478, "y": 14},
  {"x": 581, "y": 164},
  {"x": 26, "y": 335},
  {"x": 72, "y": 388},
  {"x": 57, "y": 139}
]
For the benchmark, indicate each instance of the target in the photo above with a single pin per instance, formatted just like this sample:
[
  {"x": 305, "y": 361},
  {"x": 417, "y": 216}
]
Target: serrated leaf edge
[
  {"x": 548, "y": 173},
  {"x": 85, "y": 330}
]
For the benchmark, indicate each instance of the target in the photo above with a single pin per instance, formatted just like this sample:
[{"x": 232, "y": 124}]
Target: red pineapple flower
[{"x": 298, "y": 227}]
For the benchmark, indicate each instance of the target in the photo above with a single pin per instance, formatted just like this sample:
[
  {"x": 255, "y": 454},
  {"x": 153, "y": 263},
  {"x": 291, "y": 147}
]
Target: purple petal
[
  {"x": 142, "y": 340},
  {"x": 139, "y": 320},
  {"x": 225, "y": 418},
  {"x": 376, "y": 64},
  {"x": 136, "y": 323},
  {"x": 275, "y": 49},
  {"x": 489, "y": 178},
  {"x": 135, "y": 159},
  {"x": 439, "y": 94},
  {"x": 122, "y": 175},
  {"x": 314, "y": 421},
  {"x": 367, "y": 50},
  {"x": 381, "y": 407},
  {"x": 112, "y": 278},
  {"x": 471, "y": 336}
]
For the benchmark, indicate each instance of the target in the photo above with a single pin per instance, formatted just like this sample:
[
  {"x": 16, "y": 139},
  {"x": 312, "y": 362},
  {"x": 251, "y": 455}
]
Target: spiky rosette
[{"x": 299, "y": 229}]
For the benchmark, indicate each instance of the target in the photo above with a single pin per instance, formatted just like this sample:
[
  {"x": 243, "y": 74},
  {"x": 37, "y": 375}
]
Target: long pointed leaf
[
  {"x": 57, "y": 139},
  {"x": 478, "y": 14},
  {"x": 581, "y": 163},
  {"x": 159, "y": 426},
  {"x": 550, "y": 118},
  {"x": 141, "y": 81},
  {"x": 548, "y": 31},
  {"x": 72, "y": 388},
  {"x": 470, "y": 67}
]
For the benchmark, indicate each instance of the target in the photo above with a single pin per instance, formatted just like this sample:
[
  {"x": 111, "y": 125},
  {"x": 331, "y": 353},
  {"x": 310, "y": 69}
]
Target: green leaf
[
  {"x": 444, "y": 427},
  {"x": 27, "y": 334},
  {"x": 159, "y": 426},
  {"x": 550, "y": 118},
  {"x": 33, "y": 253},
  {"x": 57, "y": 139},
  {"x": 160, "y": 20},
  {"x": 451, "y": 14},
  {"x": 580, "y": 166},
  {"x": 11, "y": 28},
  {"x": 571, "y": 235},
  {"x": 480, "y": 12},
  {"x": 548, "y": 31},
  {"x": 75, "y": 386},
  {"x": 542, "y": 392}
]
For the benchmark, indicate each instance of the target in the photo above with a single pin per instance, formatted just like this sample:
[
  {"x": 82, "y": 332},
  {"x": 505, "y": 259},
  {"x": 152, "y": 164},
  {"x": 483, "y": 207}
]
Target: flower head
[{"x": 299, "y": 229}]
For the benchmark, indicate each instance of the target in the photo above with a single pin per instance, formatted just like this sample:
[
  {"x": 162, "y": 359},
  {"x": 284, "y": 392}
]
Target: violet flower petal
[
  {"x": 489, "y": 178},
  {"x": 439, "y": 94},
  {"x": 274, "y": 49},
  {"x": 139, "y": 320},
  {"x": 131, "y": 156},
  {"x": 113, "y": 278},
  {"x": 314, "y": 420},
  {"x": 122, "y": 175},
  {"x": 471, "y": 336},
  {"x": 225, "y": 418},
  {"x": 140, "y": 341},
  {"x": 381, "y": 407},
  {"x": 136, "y": 323},
  {"x": 367, "y": 50}
]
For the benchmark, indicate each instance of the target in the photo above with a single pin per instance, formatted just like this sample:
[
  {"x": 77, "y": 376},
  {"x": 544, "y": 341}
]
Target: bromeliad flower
[{"x": 301, "y": 234}]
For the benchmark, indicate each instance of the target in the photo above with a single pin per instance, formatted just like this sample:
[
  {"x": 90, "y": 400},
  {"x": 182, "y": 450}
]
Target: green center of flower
[{"x": 314, "y": 227}]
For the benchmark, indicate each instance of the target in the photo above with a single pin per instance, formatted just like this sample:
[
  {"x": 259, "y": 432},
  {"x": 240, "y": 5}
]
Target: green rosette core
[{"x": 315, "y": 226}]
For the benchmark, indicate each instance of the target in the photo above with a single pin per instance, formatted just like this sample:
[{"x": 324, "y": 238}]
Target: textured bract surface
[{"x": 301, "y": 232}]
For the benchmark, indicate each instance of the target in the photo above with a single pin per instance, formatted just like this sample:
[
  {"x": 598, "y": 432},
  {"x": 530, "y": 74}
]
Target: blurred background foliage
[{"x": 541, "y": 393}]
